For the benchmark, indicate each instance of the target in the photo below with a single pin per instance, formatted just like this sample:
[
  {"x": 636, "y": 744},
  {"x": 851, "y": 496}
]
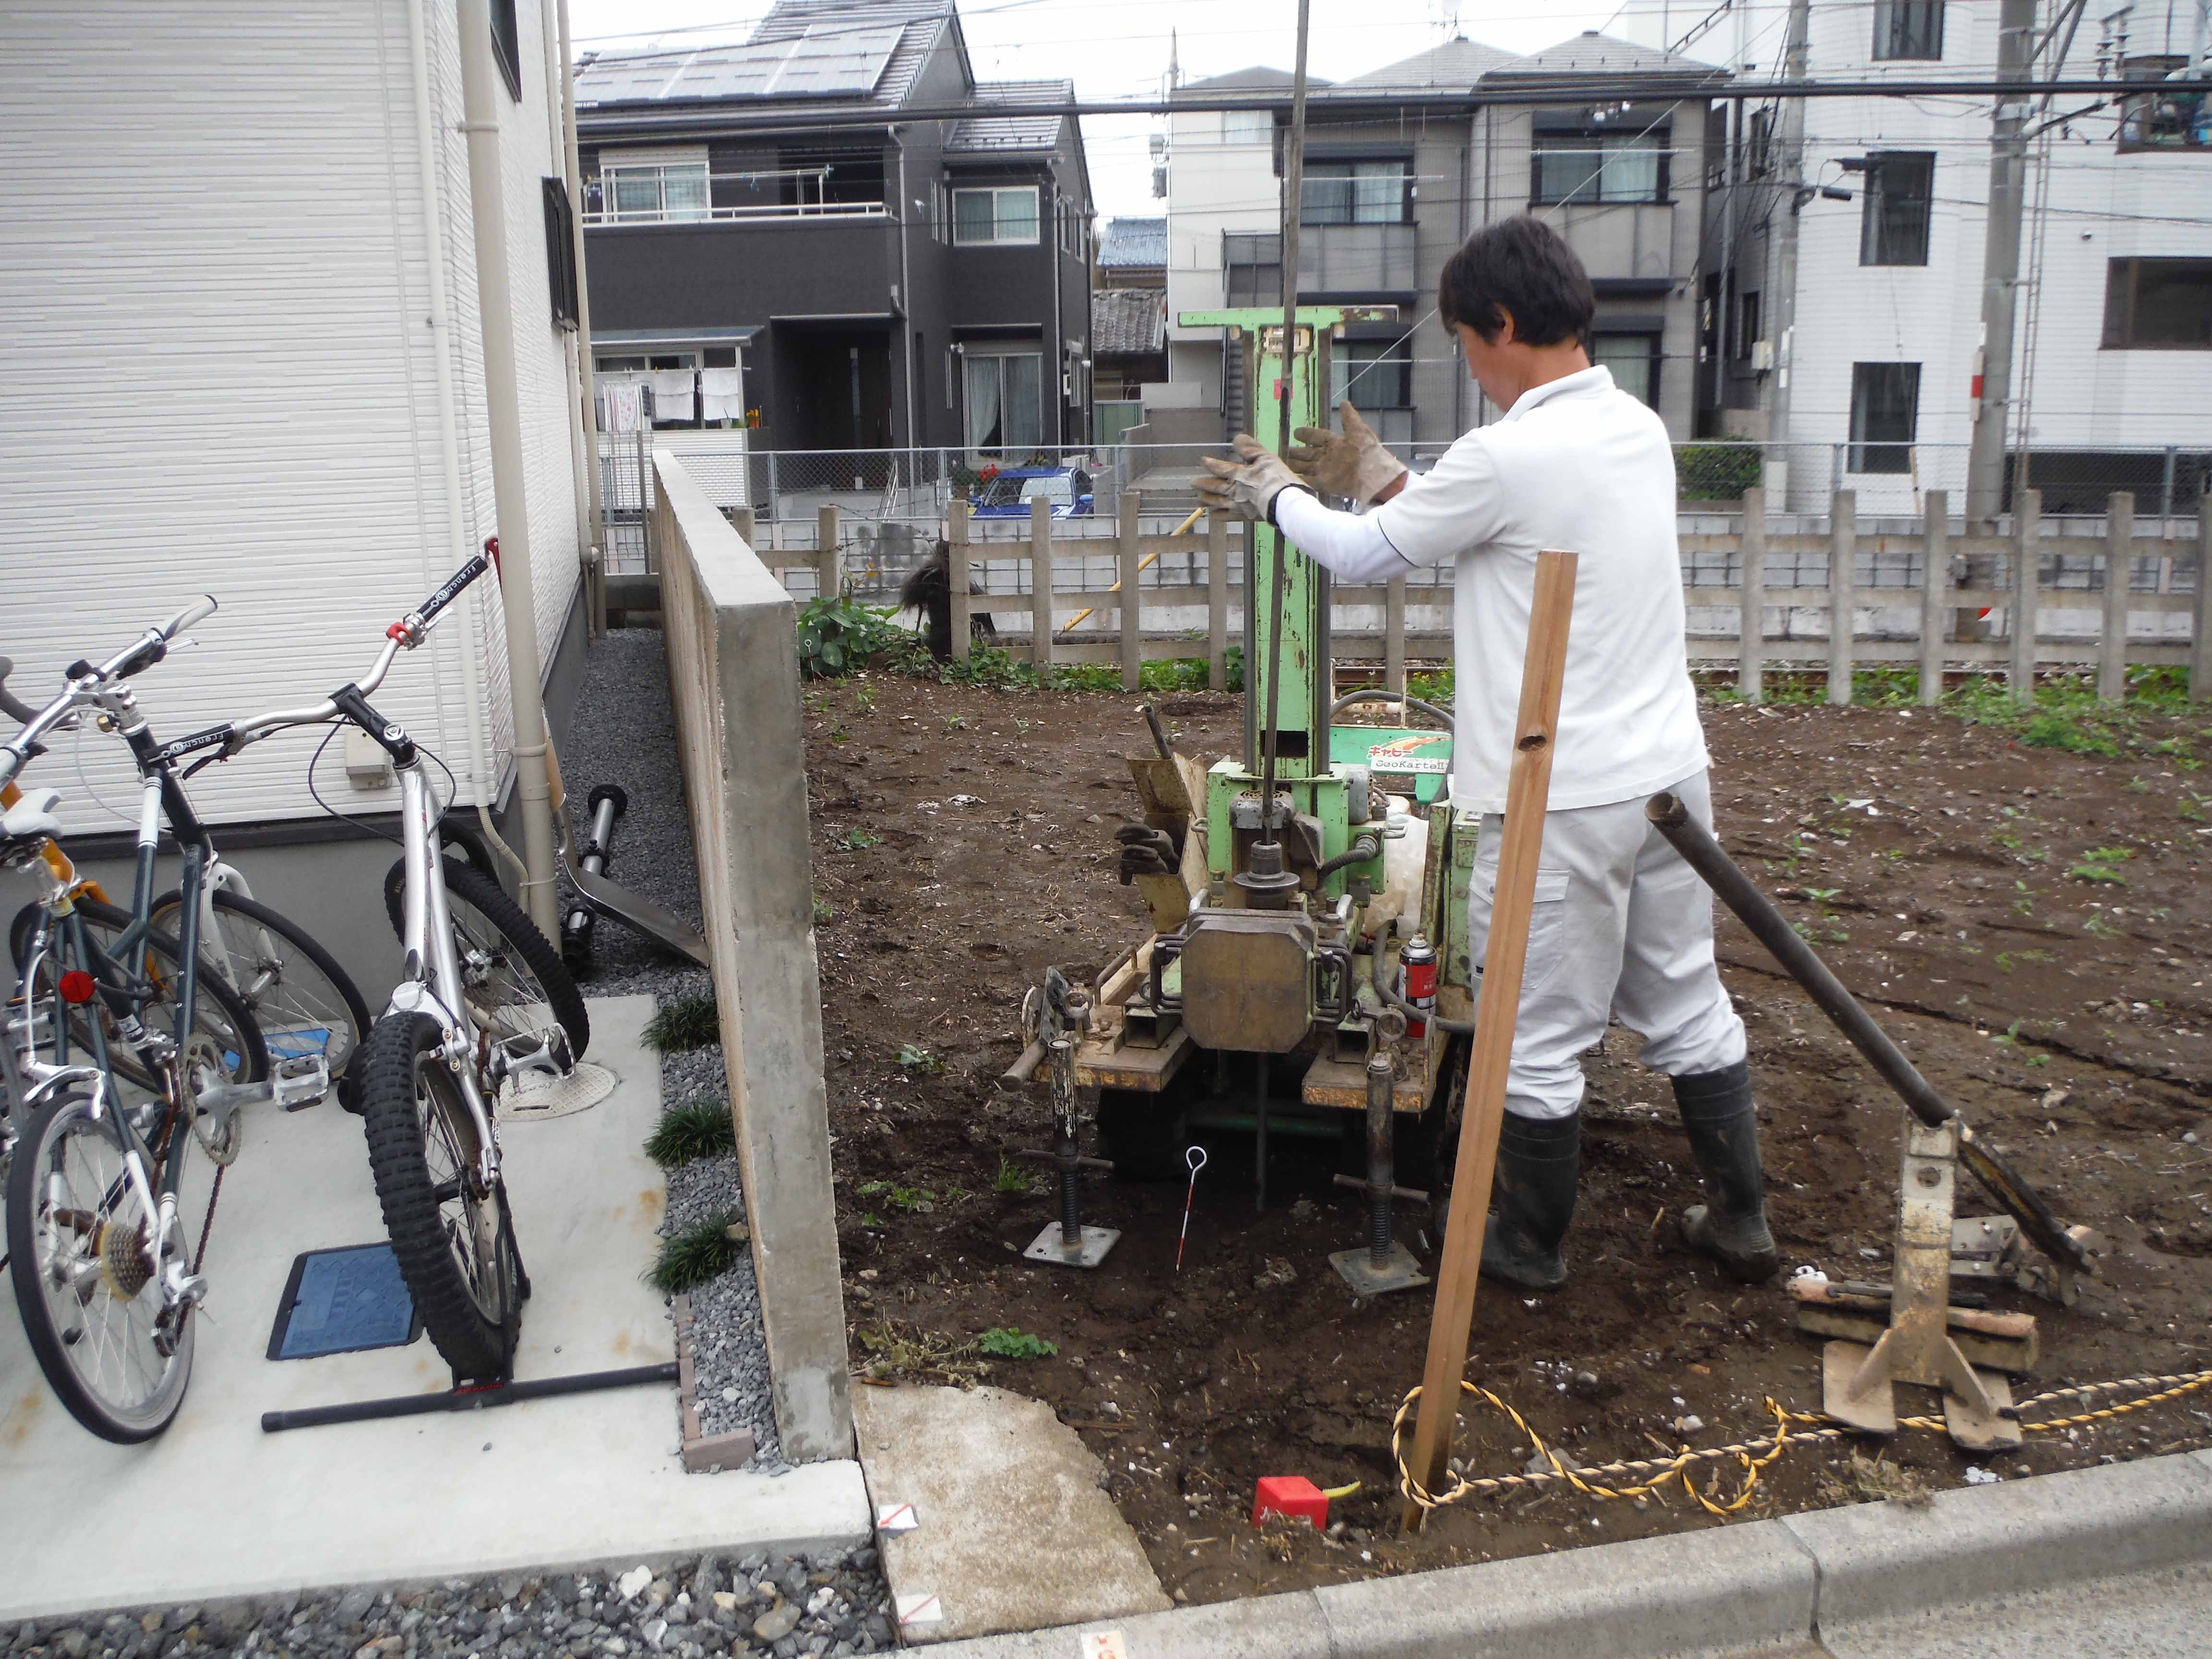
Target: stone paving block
[
  {"x": 1266, "y": 1627},
  {"x": 1881, "y": 1560},
  {"x": 1727, "y": 1587}
]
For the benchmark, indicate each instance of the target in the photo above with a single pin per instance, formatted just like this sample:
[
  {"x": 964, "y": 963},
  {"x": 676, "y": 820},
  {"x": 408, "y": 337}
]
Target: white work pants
[{"x": 1621, "y": 924}]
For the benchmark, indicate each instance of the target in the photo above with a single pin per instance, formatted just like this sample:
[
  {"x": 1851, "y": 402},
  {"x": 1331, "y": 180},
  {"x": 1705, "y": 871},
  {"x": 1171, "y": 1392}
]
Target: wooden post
[
  {"x": 1842, "y": 591},
  {"x": 829, "y": 570},
  {"x": 1131, "y": 612},
  {"x": 1216, "y": 601},
  {"x": 2027, "y": 553},
  {"x": 1527, "y": 793},
  {"x": 1040, "y": 585},
  {"x": 2119, "y": 577},
  {"x": 956, "y": 576},
  {"x": 1394, "y": 636},
  {"x": 1935, "y": 577},
  {"x": 1751, "y": 599},
  {"x": 2200, "y": 611}
]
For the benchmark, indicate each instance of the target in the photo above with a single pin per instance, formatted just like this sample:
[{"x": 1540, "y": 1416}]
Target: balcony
[
  {"x": 1357, "y": 259},
  {"x": 2160, "y": 120},
  {"x": 669, "y": 196},
  {"x": 1617, "y": 241}
]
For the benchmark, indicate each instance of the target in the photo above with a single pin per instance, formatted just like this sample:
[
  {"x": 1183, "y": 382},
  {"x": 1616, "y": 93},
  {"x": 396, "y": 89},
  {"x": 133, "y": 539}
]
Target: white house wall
[
  {"x": 1214, "y": 187},
  {"x": 222, "y": 376}
]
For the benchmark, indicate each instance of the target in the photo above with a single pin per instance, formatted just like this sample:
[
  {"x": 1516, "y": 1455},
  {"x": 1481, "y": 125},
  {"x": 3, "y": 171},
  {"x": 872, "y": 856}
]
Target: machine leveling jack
[
  {"x": 1382, "y": 1264},
  {"x": 1067, "y": 1243}
]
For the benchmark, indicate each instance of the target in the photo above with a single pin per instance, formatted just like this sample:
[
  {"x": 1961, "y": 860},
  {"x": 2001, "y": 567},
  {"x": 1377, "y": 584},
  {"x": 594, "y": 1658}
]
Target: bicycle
[
  {"x": 105, "y": 1278},
  {"x": 483, "y": 998}
]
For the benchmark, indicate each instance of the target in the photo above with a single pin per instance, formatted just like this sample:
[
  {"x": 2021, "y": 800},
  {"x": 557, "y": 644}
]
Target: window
[
  {"x": 1885, "y": 415},
  {"x": 1004, "y": 410},
  {"x": 1248, "y": 126},
  {"x": 1374, "y": 373},
  {"x": 1893, "y": 225},
  {"x": 506, "y": 46},
  {"x": 1600, "y": 166},
  {"x": 996, "y": 217},
  {"x": 1759, "y": 144},
  {"x": 2158, "y": 305},
  {"x": 1747, "y": 325},
  {"x": 1908, "y": 28},
  {"x": 561, "y": 252},
  {"x": 1634, "y": 360},
  {"x": 1356, "y": 193},
  {"x": 635, "y": 192},
  {"x": 1252, "y": 268}
]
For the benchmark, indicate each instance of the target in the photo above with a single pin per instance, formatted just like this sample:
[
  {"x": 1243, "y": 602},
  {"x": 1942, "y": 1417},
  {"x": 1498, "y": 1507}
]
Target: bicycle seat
[{"x": 33, "y": 816}]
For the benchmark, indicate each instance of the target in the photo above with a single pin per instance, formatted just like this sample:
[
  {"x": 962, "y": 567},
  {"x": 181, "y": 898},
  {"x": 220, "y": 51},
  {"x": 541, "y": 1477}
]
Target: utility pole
[
  {"x": 1790, "y": 166},
  {"x": 2000, "y": 269}
]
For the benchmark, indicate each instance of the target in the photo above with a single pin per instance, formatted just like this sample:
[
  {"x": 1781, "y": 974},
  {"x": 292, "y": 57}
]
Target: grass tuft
[
  {"x": 695, "y": 1254},
  {"x": 683, "y": 1022},
  {"x": 699, "y": 1128},
  {"x": 1005, "y": 1342}
]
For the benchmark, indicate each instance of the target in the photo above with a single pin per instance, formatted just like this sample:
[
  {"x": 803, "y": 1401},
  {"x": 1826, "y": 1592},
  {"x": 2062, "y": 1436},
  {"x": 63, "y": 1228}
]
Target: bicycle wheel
[
  {"x": 514, "y": 981},
  {"x": 87, "y": 1275},
  {"x": 218, "y": 1011},
  {"x": 449, "y": 1232},
  {"x": 302, "y": 1000}
]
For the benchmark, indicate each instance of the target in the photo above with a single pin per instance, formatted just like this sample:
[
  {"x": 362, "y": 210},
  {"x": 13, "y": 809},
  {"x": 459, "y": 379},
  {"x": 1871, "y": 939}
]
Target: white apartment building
[
  {"x": 2112, "y": 382},
  {"x": 1221, "y": 182}
]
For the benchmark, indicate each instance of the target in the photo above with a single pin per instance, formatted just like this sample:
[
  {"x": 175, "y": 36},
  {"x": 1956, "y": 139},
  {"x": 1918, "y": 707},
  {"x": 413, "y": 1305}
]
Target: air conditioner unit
[{"x": 1762, "y": 356}]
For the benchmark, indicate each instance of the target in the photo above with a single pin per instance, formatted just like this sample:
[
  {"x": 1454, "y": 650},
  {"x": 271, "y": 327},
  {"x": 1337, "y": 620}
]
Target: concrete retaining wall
[{"x": 733, "y": 674}]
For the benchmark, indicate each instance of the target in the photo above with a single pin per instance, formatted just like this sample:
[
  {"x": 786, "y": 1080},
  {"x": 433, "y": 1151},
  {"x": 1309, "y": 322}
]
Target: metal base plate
[
  {"x": 1973, "y": 1429},
  {"x": 1047, "y": 1246},
  {"x": 1401, "y": 1270},
  {"x": 1874, "y": 1411}
]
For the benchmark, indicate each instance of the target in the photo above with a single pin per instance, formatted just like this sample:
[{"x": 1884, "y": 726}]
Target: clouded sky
[{"x": 1118, "y": 48}]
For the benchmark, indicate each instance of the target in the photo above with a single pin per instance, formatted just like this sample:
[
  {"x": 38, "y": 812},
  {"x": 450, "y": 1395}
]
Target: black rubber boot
[
  {"x": 1723, "y": 1124},
  {"x": 1532, "y": 1199}
]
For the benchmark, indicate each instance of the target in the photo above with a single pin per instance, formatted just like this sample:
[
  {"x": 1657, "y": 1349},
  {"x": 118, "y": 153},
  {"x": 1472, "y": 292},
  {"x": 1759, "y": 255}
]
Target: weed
[
  {"x": 858, "y": 841},
  {"x": 957, "y": 1194},
  {"x": 823, "y": 913},
  {"x": 913, "y": 1057},
  {"x": 1822, "y": 894},
  {"x": 1015, "y": 1181},
  {"x": 837, "y": 636},
  {"x": 1005, "y": 1342},
  {"x": 956, "y": 722},
  {"x": 2004, "y": 962},
  {"x": 865, "y": 698},
  {"x": 683, "y": 1023},
  {"x": 696, "y": 1254},
  {"x": 2098, "y": 927},
  {"x": 915, "y": 1200},
  {"x": 1021, "y": 726},
  {"x": 902, "y": 1351},
  {"x": 2101, "y": 863},
  {"x": 2037, "y": 1059},
  {"x": 1087, "y": 677},
  {"x": 1436, "y": 686},
  {"x": 869, "y": 1218},
  {"x": 699, "y": 1128},
  {"x": 839, "y": 734},
  {"x": 1172, "y": 674},
  {"x": 2010, "y": 1035}
]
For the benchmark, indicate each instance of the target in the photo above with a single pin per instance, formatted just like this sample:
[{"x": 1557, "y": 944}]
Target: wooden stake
[{"x": 1527, "y": 791}]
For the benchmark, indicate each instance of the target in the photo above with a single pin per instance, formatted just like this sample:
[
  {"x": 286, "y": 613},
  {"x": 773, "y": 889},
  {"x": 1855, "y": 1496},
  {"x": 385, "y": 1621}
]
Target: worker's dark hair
[{"x": 1523, "y": 266}]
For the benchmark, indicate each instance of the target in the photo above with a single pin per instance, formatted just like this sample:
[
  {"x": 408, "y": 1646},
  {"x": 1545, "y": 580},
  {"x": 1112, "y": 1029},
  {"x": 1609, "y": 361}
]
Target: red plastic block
[{"x": 1292, "y": 1495}]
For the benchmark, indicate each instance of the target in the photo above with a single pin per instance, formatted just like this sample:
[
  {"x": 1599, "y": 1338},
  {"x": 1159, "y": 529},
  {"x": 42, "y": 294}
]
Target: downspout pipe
[
  {"x": 480, "y": 91},
  {"x": 585, "y": 371},
  {"x": 909, "y": 367},
  {"x": 481, "y": 781},
  {"x": 581, "y": 441}
]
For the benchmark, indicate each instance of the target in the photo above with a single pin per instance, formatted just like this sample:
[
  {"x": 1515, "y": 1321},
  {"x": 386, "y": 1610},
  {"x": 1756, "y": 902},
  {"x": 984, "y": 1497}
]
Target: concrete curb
[{"x": 1765, "y": 1582}]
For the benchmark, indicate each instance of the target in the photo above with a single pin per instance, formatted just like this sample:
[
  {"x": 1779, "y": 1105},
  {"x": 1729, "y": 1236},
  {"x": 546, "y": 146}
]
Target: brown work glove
[
  {"x": 1351, "y": 463},
  {"x": 1247, "y": 486}
]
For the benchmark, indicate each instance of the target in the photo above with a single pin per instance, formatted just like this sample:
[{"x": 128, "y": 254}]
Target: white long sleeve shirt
[{"x": 1578, "y": 465}]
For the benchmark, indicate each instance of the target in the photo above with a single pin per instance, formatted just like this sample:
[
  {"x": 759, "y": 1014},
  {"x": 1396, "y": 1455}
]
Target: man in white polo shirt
[{"x": 1621, "y": 924}]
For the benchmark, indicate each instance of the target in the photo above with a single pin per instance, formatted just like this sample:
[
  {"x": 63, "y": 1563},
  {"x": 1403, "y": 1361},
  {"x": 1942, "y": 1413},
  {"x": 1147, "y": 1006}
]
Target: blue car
[{"x": 1008, "y": 495}]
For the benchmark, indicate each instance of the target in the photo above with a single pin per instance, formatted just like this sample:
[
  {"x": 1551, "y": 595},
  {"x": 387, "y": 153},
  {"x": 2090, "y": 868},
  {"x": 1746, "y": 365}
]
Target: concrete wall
[{"x": 734, "y": 683}]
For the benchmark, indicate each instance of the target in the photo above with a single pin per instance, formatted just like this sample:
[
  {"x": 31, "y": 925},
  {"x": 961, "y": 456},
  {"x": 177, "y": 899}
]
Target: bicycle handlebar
[
  {"x": 16, "y": 710},
  {"x": 84, "y": 681}
]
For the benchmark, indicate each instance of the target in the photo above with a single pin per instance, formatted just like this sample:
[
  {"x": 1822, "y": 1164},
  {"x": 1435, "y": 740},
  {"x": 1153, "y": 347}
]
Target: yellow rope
[{"x": 1750, "y": 1456}]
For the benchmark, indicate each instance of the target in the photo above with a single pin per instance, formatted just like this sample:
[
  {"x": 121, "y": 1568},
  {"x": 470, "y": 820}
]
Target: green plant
[
  {"x": 913, "y": 1057},
  {"x": 858, "y": 841},
  {"x": 1172, "y": 674},
  {"x": 1716, "y": 472},
  {"x": 839, "y": 734},
  {"x": 1087, "y": 677},
  {"x": 1015, "y": 1181},
  {"x": 1003, "y": 1342},
  {"x": 865, "y": 698},
  {"x": 1434, "y": 685},
  {"x": 837, "y": 635},
  {"x": 682, "y": 1023},
  {"x": 869, "y": 1218},
  {"x": 915, "y": 1199},
  {"x": 698, "y": 1127},
  {"x": 905, "y": 1351},
  {"x": 1021, "y": 726},
  {"x": 2101, "y": 863},
  {"x": 956, "y": 722},
  {"x": 823, "y": 913},
  {"x": 697, "y": 1253}
]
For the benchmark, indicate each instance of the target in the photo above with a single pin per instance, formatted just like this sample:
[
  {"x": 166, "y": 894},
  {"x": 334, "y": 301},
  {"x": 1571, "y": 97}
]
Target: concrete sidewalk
[
  {"x": 215, "y": 1508},
  {"x": 2030, "y": 1566}
]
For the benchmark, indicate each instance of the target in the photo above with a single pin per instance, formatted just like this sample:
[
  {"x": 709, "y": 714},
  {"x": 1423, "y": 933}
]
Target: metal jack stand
[
  {"x": 1918, "y": 1347},
  {"x": 1067, "y": 1243},
  {"x": 1385, "y": 1264}
]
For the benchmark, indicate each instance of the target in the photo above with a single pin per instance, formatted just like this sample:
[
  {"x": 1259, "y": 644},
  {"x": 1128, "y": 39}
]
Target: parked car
[{"x": 1008, "y": 494}]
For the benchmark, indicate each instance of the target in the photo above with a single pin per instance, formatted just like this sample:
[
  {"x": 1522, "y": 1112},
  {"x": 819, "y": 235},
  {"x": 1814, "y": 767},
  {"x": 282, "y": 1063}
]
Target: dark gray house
[{"x": 839, "y": 285}]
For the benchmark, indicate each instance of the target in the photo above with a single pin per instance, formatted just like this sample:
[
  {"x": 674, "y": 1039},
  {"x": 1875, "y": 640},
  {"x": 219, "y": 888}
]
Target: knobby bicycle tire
[{"x": 519, "y": 933}]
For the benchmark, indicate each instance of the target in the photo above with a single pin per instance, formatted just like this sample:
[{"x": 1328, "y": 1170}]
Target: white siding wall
[
  {"x": 1213, "y": 186},
  {"x": 221, "y": 379}
]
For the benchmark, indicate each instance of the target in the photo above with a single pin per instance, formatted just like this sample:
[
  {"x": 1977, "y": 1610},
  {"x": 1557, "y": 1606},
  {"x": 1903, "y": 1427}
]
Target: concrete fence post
[
  {"x": 2120, "y": 578},
  {"x": 829, "y": 569},
  {"x": 741, "y": 520},
  {"x": 1935, "y": 579},
  {"x": 1394, "y": 636},
  {"x": 2200, "y": 610},
  {"x": 1132, "y": 608},
  {"x": 1751, "y": 598},
  {"x": 1842, "y": 591},
  {"x": 955, "y": 578},
  {"x": 1216, "y": 601},
  {"x": 735, "y": 696},
  {"x": 1040, "y": 585},
  {"x": 2027, "y": 554}
]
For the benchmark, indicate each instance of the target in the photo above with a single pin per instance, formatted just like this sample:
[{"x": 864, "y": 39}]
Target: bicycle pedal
[{"x": 301, "y": 1082}]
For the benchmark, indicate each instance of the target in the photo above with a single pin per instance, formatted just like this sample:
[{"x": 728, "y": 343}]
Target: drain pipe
[
  {"x": 587, "y": 385},
  {"x": 549, "y": 32},
  {"x": 480, "y": 88},
  {"x": 449, "y": 426}
]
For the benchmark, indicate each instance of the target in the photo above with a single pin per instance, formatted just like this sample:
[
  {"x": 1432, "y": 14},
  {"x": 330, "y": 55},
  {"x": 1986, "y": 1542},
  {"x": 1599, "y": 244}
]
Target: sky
[{"x": 1118, "y": 48}]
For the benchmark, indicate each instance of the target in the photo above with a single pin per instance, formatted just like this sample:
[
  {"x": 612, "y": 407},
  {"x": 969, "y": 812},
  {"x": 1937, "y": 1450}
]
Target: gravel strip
[
  {"x": 622, "y": 733},
  {"x": 834, "y": 1605}
]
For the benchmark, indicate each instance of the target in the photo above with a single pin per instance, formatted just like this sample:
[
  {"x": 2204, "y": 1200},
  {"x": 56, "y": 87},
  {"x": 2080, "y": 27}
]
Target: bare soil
[{"x": 964, "y": 841}]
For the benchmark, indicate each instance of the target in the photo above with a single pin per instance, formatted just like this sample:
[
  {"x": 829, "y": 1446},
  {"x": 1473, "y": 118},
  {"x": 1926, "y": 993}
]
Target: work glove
[
  {"x": 1247, "y": 486},
  {"x": 1349, "y": 463}
]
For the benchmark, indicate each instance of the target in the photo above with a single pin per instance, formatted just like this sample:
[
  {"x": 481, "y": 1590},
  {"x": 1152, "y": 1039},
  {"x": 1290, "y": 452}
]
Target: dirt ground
[{"x": 2030, "y": 924}]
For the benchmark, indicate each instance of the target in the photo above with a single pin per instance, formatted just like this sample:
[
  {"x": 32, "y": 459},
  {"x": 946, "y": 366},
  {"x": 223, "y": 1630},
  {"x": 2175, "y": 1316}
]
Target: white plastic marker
[
  {"x": 922, "y": 1608},
  {"x": 1195, "y": 1157},
  {"x": 895, "y": 1518},
  {"x": 1104, "y": 1645}
]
